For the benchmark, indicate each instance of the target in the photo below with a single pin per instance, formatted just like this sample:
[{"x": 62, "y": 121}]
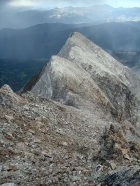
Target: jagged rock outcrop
[
  {"x": 7, "y": 96},
  {"x": 76, "y": 122}
]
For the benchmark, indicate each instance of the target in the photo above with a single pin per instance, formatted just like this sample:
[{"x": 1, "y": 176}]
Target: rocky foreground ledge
[
  {"x": 75, "y": 123},
  {"x": 46, "y": 143}
]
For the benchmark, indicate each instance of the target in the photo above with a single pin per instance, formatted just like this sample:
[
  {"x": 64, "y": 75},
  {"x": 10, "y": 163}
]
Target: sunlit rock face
[{"x": 82, "y": 70}]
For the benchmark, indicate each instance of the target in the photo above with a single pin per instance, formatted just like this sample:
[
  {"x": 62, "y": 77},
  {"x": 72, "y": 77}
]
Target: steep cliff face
[
  {"x": 82, "y": 70},
  {"x": 119, "y": 83},
  {"x": 66, "y": 81}
]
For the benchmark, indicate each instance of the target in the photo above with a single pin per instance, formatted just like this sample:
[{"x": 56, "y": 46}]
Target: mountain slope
[
  {"x": 121, "y": 40},
  {"x": 17, "y": 18},
  {"x": 63, "y": 78},
  {"x": 42, "y": 41},
  {"x": 30, "y": 43},
  {"x": 75, "y": 123},
  {"x": 17, "y": 72},
  {"x": 38, "y": 29}
]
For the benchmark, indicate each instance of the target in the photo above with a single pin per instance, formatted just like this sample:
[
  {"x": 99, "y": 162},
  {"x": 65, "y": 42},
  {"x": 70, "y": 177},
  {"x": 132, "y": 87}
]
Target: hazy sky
[{"x": 63, "y": 3}]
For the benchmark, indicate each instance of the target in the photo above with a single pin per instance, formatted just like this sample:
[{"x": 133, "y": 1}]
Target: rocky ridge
[
  {"x": 76, "y": 122},
  {"x": 84, "y": 69}
]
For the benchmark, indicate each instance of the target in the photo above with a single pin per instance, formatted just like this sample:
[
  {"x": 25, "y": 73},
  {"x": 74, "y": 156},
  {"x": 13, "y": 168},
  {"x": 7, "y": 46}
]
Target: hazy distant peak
[
  {"x": 69, "y": 15},
  {"x": 103, "y": 6}
]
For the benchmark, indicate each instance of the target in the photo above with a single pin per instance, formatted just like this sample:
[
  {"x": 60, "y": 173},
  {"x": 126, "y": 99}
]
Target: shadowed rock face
[
  {"x": 82, "y": 70},
  {"x": 128, "y": 177}
]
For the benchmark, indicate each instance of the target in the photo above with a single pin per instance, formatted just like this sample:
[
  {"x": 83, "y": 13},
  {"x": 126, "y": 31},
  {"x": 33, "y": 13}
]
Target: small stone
[
  {"x": 31, "y": 131},
  {"x": 78, "y": 168},
  {"x": 60, "y": 132},
  {"x": 126, "y": 156},
  {"x": 38, "y": 119},
  {"x": 75, "y": 178},
  {"x": 124, "y": 151},
  {"x": 9, "y": 136},
  {"x": 113, "y": 166},
  {"x": 65, "y": 144},
  {"x": 20, "y": 145},
  {"x": 12, "y": 167},
  {"x": 26, "y": 107},
  {"x": 99, "y": 168},
  {"x": 117, "y": 146},
  {"x": 9, "y": 118},
  {"x": 37, "y": 141},
  {"x": 8, "y": 184},
  {"x": 46, "y": 154}
]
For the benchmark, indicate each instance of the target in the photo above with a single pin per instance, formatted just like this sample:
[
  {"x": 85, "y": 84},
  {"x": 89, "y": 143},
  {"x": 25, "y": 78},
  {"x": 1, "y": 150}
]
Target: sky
[{"x": 48, "y": 4}]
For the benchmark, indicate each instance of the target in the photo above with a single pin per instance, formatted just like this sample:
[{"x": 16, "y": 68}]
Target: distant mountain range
[{"x": 77, "y": 15}]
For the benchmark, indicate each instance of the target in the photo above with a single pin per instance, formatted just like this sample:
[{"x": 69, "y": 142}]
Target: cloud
[
  {"x": 55, "y": 2},
  {"x": 22, "y": 3},
  {"x": 3, "y": 3},
  {"x": 63, "y": 3}
]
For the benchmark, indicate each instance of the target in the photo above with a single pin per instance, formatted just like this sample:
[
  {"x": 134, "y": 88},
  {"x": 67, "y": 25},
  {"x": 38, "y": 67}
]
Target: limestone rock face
[
  {"x": 82, "y": 70},
  {"x": 119, "y": 83},
  {"x": 67, "y": 81}
]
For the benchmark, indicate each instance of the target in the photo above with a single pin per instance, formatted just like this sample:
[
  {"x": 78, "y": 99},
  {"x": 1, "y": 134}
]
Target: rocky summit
[{"x": 75, "y": 123}]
